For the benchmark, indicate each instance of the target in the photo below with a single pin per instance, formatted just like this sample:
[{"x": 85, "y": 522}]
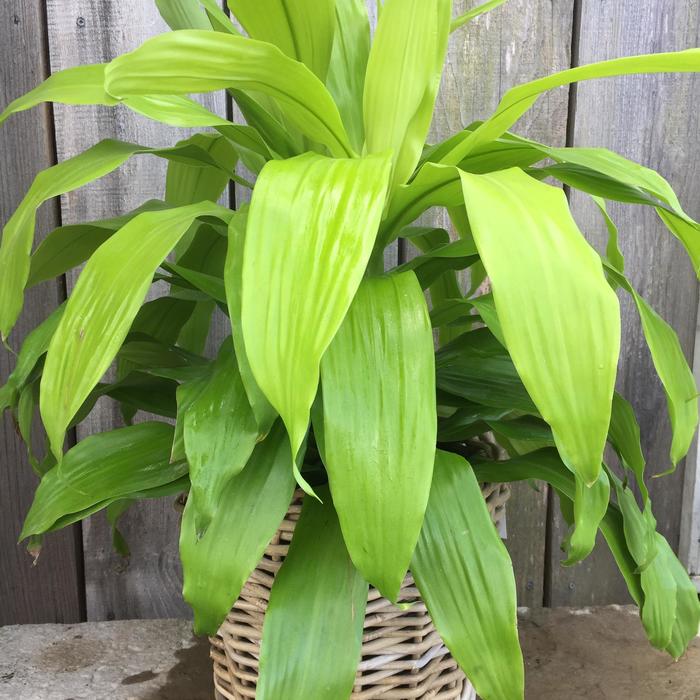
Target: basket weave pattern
[{"x": 403, "y": 657}]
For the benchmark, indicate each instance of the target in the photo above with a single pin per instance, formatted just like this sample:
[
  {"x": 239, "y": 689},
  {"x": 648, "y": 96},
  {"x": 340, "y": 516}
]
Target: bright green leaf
[
  {"x": 465, "y": 577},
  {"x": 519, "y": 99},
  {"x": 189, "y": 61},
  {"x": 68, "y": 246},
  {"x": 233, "y": 272},
  {"x": 312, "y": 636},
  {"x": 220, "y": 433},
  {"x": 103, "y": 304},
  {"x": 302, "y": 29},
  {"x": 590, "y": 506},
  {"x": 379, "y": 424},
  {"x": 403, "y": 75},
  {"x": 310, "y": 231},
  {"x": 560, "y": 319},
  {"x": 104, "y": 466},
  {"x": 252, "y": 504},
  {"x": 672, "y": 368},
  {"x": 346, "y": 72}
]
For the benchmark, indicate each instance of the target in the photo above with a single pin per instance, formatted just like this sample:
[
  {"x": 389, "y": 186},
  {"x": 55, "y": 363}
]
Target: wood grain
[
  {"x": 519, "y": 41},
  {"x": 53, "y": 590},
  {"x": 89, "y": 31},
  {"x": 653, "y": 120}
]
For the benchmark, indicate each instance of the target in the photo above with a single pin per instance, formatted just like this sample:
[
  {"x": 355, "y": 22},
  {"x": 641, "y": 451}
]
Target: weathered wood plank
[
  {"x": 519, "y": 41},
  {"x": 653, "y": 120},
  {"x": 689, "y": 544},
  {"x": 53, "y": 590},
  {"x": 148, "y": 585}
]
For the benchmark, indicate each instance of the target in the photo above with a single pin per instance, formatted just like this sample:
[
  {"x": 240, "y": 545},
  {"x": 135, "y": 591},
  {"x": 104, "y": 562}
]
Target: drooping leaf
[
  {"x": 519, "y": 99},
  {"x": 559, "y": 317},
  {"x": 189, "y": 61},
  {"x": 687, "y": 621},
  {"x": 220, "y": 433},
  {"x": 346, "y": 71},
  {"x": 114, "y": 512},
  {"x": 659, "y": 610},
  {"x": 401, "y": 82},
  {"x": 466, "y": 579},
  {"x": 625, "y": 438},
  {"x": 309, "y": 236},
  {"x": 252, "y": 504},
  {"x": 546, "y": 465},
  {"x": 672, "y": 368},
  {"x": 671, "y": 611},
  {"x": 68, "y": 246},
  {"x": 101, "y": 467},
  {"x": 640, "y": 526},
  {"x": 303, "y": 29},
  {"x": 103, "y": 304},
  {"x": 233, "y": 273},
  {"x": 379, "y": 425},
  {"x": 81, "y": 85},
  {"x": 590, "y": 506},
  {"x": 68, "y": 175},
  {"x": 85, "y": 85},
  {"x": 312, "y": 636}
]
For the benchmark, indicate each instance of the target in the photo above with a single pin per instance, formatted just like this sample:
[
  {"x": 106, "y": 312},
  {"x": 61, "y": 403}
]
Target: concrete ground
[{"x": 592, "y": 653}]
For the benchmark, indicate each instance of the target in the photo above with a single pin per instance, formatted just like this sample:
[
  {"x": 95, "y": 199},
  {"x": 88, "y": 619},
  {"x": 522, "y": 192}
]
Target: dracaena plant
[{"x": 330, "y": 379}]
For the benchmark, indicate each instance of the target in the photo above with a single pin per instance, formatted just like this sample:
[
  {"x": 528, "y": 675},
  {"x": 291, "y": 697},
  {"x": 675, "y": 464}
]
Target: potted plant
[{"x": 331, "y": 380}]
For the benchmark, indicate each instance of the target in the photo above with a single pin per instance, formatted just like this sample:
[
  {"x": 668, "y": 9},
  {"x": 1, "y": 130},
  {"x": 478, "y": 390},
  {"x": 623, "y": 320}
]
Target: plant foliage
[{"x": 331, "y": 378}]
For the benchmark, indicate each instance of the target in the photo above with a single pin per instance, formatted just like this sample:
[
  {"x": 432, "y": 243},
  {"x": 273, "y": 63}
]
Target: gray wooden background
[{"x": 653, "y": 120}]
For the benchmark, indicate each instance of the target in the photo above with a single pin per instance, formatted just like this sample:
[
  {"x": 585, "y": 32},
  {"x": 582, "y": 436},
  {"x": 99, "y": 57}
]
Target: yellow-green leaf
[
  {"x": 310, "y": 232},
  {"x": 346, "y": 72},
  {"x": 182, "y": 62},
  {"x": 302, "y": 29},
  {"x": 559, "y": 317},
  {"x": 100, "y": 310},
  {"x": 379, "y": 424},
  {"x": 475, "y": 12},
  {"x": 403, "y": 76},
  {"x": 233, "y": 273},
  {"x": 519, "y": 99},
  {"x": 85, "y": 85},
  {"x": 672, "y": 368},
  {"x": 74, "y": 86},
  {"x": 312, "y": 636},
  {"x": 465, "y": 577},
  {"x": 68, "y": 175}
]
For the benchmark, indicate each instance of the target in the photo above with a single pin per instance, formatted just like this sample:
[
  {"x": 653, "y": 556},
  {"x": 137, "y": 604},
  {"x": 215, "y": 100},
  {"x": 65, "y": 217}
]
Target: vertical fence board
[
  {"x": 653, "y": 120},
  {"x": 90, "y": 31},
  {"x": 519, "y": 41},
  {"x": 51, "y": 591}
]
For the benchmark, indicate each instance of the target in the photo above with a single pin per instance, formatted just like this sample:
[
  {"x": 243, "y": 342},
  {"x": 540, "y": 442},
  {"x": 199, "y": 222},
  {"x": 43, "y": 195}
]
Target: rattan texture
[{"x": 403, "y": 657}]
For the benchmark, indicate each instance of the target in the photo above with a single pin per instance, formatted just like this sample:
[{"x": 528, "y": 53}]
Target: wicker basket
[{"x": 403, "y": 657}]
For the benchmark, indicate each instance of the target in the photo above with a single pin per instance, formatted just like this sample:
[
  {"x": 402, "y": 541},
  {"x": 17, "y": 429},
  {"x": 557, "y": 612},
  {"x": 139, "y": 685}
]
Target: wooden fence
[{"x": 653, "y": 120}]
